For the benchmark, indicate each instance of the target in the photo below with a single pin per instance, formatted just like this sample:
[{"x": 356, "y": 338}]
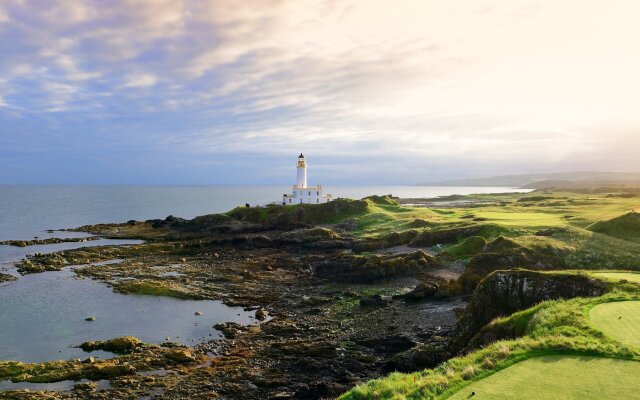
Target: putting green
[
  {"x": 630, "y": 276},
  {"x": 559, "y": 377},
  {"x": 619, "y": 320}
]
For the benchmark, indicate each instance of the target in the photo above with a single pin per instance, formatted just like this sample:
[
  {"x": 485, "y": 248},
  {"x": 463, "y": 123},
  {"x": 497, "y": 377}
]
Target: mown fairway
[
  {"x": 630, "y": 276},
  {"x": 619, "y": 320},
  {"x": 560, "y": 377}
]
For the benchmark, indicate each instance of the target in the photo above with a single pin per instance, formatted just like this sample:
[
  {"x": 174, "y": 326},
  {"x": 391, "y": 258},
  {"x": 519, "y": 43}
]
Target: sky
[{"x": 371, "y": 91}]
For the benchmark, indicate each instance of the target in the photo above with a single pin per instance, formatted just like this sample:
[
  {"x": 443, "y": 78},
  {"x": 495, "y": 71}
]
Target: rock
[
  {"x": 90, "y": 319},
  {"x": 375, "y": 301},
  {"x": 108, "y": 370},
  {"x": 261, "y": 314},
  {"x": 348, "y": 267},
  {"x": 505, "y": 292},
  {"x": 197, "y": 313},
  {"x": 119, "y": 345},
  {"x": 418, "y": 358},
  {"x": 182, "y": 356},
  {"x": 425, "y": 290},
  {"x": 85, "y": 386},
  {"x": 230, "y": 330},
  {"x": 7, "y": 278}
]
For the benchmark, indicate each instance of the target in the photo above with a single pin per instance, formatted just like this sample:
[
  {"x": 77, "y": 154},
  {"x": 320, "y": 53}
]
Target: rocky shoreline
[{"x": 335, "y": 318}]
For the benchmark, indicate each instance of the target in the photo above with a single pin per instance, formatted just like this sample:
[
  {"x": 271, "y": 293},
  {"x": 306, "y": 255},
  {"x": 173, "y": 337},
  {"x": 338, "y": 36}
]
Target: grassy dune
[
  {"x": 616, "y": 276},
  {"x": 559, "y": 377},
  {"x": 618, "y": 320}
]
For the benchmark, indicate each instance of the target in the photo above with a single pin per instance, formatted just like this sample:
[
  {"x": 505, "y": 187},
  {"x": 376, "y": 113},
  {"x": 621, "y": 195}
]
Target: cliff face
[
  {"x": 504, "y": 292},
  {"x": 503, "y": 253}
]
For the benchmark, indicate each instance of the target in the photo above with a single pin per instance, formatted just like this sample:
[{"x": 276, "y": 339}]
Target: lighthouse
[
  {"x": 302, "y": 193},
  {"x": 302, "y": 172}
]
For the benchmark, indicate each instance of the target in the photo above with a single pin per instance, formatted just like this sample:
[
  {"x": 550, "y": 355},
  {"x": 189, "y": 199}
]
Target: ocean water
[{"x": 28, "y": 211}]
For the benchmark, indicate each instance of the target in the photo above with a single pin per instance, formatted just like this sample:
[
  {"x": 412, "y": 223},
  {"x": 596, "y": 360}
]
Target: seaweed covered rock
[
  {"x": 356, "y": 268},
  {"x": 118, "y": 345},
  {"x": 7, "y": 278},
  {"x": 504, "y": 292}
]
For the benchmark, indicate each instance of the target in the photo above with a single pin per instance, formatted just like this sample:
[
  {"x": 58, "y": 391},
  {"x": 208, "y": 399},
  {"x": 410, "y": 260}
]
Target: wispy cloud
[{"x": 523, "y": 83}]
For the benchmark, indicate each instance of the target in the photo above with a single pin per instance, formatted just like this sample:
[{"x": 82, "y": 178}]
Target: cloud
[
  {"x": 139, "y": 80},
  {"x": 428, "y": 82}
]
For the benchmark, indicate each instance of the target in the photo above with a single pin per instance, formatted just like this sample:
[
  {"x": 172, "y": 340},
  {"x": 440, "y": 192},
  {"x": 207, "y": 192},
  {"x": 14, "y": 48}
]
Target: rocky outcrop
[
  {"x": 34, "y": 242},
  {"x": 356, "y": 268},
  {"x": 119, "y": 345},
  {"x": 7, "y": 278},
  {"x": 504, "y": 292},
  {"x": 432, "y": 288},
  {"x": 504, "y": 253},
  {"x": 316, "y": 238}
]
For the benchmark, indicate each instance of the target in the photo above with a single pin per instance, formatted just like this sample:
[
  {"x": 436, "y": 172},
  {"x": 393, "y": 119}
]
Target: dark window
[{"x": 309, "y": 193}]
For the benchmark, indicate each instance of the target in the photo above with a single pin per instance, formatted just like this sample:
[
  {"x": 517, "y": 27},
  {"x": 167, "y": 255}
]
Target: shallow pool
[{"x": 42, "y": 317}]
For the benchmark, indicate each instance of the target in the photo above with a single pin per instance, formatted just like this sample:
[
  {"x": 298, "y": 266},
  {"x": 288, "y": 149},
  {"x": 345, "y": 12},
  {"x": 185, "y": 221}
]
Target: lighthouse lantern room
[{"x": 303, "y": 193}]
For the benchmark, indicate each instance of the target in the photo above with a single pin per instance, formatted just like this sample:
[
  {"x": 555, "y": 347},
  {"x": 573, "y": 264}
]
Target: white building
[{"x": 303, "y": 193}]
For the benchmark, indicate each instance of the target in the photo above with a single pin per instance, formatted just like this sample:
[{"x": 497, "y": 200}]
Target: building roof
[{"x": 301, "y": 155}]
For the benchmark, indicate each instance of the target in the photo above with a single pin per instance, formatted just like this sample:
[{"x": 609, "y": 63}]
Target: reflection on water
[{"x": 43, "y": 317}]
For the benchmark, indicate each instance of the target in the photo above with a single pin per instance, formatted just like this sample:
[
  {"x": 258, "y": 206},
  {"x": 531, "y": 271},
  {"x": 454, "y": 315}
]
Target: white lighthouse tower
[
  {"x": 303, "y": 193},
  {"x": 302, "y": 172}
]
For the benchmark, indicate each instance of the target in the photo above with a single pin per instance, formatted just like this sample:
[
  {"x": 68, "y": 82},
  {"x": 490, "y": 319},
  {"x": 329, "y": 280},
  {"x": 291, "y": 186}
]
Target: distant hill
[{"x": 542, "y": 180}]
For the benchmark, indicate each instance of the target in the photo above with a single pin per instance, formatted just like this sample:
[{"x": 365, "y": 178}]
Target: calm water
[{"x": 42, "y": 316}]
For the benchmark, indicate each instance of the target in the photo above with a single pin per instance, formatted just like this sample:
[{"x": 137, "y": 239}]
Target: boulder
[
  {"x": 182, "y": 356},
  {"x": 375, "y": 301},
  {"x": 418, "y": 358},
  {"x": 119, "y": 345},
  {"x": 423, "y": 291}
]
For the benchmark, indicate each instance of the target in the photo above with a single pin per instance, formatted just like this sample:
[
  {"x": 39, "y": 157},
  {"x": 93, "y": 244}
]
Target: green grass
[
  {"x": 618, "y": 320},
  {"x": 560, "y": 377},
  {"x": 616, "y": 276},
  {"x": 626, "y": 227}
]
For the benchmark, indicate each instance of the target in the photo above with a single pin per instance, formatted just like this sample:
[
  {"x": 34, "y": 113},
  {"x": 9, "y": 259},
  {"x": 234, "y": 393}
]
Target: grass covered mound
[
  {"x": 559, "y": 377},
  {"x": 625, "y": 227},
  {"x": 619, "y": 320},
  {"x": 616, "y": 276},
  {"x": 304, "y": 214}
]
